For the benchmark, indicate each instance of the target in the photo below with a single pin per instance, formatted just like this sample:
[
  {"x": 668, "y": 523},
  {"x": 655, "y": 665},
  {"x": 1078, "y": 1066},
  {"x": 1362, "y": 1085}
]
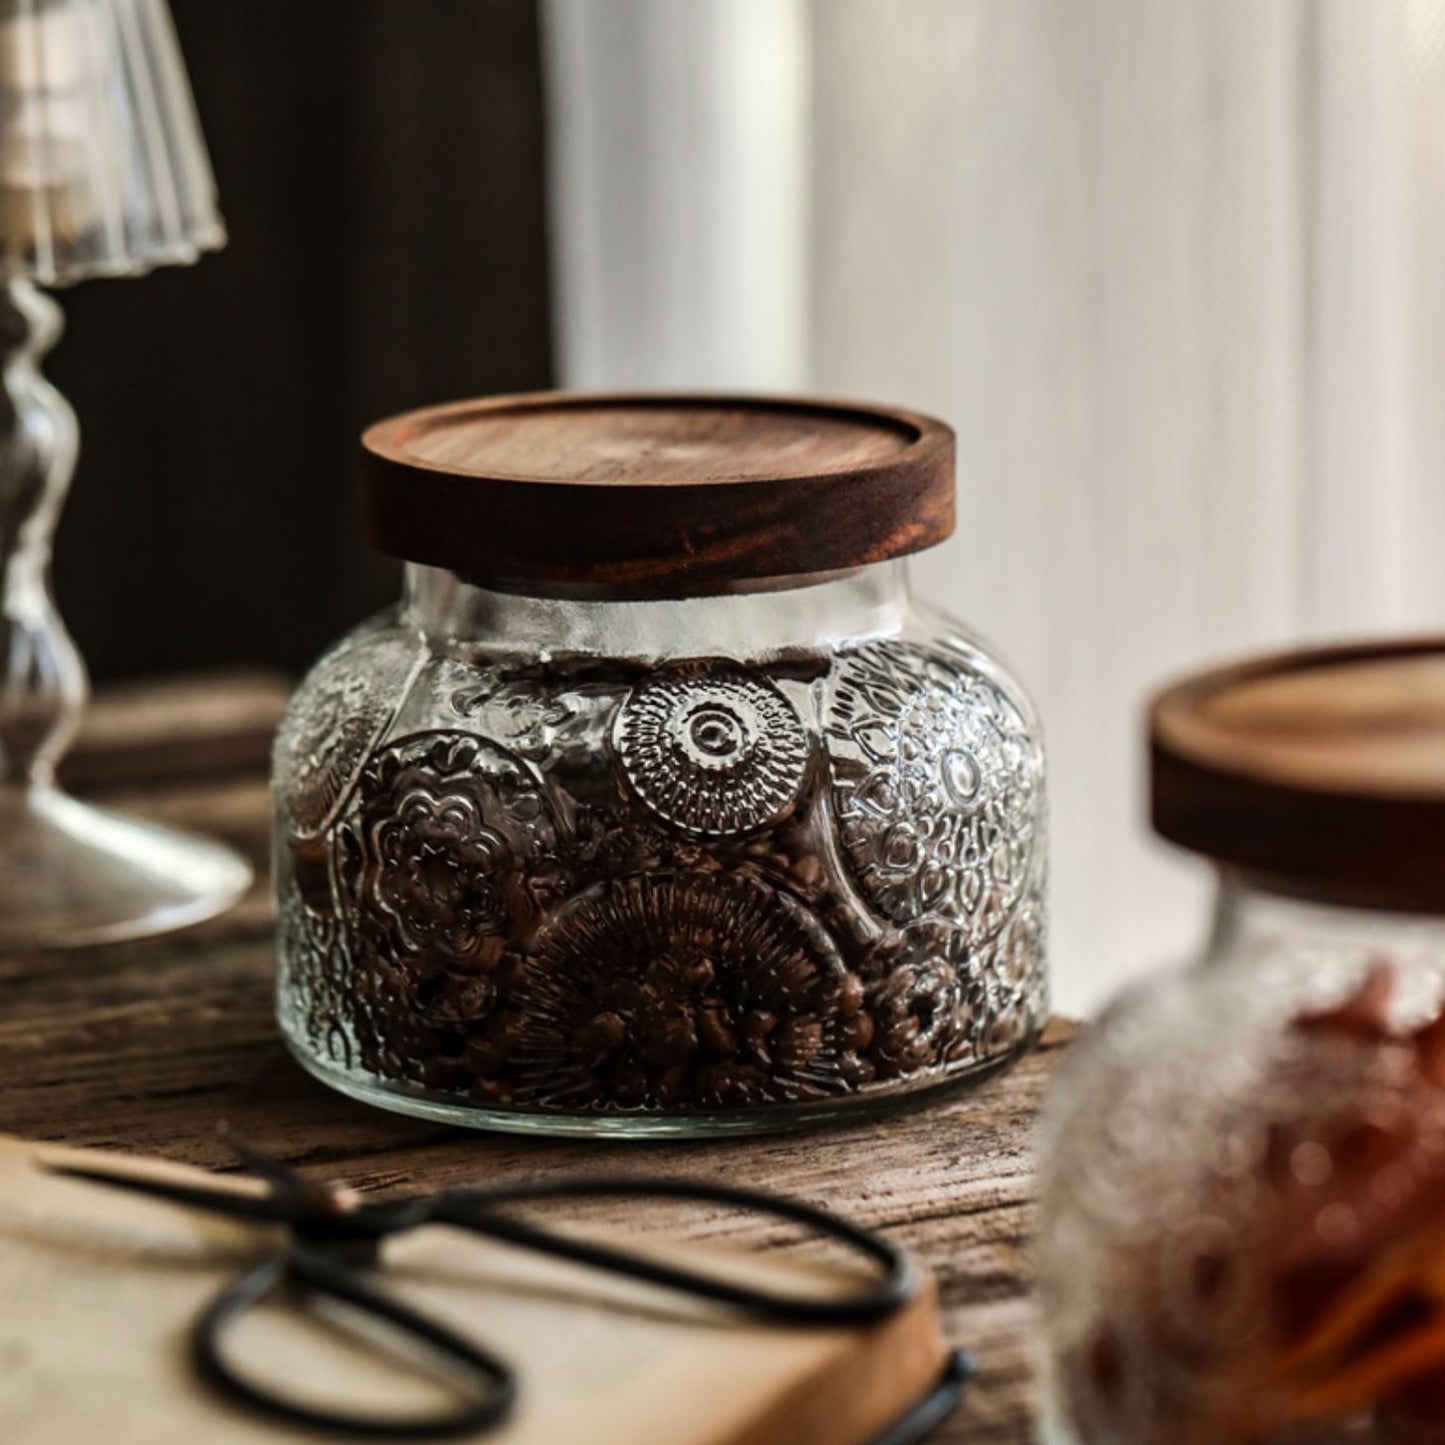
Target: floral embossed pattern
[
  {"x": 583, "y": 889},
  {"x": 439, "y": 854},
  {"x": 935, "y": 779},
  {"x": 335, "y": 716},
  {"x": 714, "y": 752},
  {"x": 310, "y": 939},
  {"x": 703, "y": 990}
]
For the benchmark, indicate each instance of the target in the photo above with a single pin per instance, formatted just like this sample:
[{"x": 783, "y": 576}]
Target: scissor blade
[
  {"x": 283, "y": 1179},
  {"x": 218, "y": 1201}
]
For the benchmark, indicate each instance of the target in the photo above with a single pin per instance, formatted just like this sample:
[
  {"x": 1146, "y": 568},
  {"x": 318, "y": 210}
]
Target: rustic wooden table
[{"x": 148, "y": 1047}]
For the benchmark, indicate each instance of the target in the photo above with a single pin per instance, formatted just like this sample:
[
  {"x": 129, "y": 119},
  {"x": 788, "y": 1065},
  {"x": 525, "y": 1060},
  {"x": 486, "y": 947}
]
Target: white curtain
[{"x": 1174, "y": 269}]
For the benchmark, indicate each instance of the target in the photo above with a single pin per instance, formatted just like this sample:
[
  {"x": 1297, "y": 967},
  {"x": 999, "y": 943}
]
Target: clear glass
[
  {"x": 719, "y": 864},
  {"x": 1201, "y": 1127},
  {"x": 103, "y": 170},
  {"x": 71, "y": 874}
]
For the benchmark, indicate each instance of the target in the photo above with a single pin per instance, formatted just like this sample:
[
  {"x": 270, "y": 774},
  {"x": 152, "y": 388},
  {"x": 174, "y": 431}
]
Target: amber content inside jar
[{"x": 724, "y": 860}]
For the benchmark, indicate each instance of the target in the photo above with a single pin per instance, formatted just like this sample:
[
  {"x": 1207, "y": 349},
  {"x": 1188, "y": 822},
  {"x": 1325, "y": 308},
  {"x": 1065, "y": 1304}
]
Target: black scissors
[{"x": 335, "y": 1236}]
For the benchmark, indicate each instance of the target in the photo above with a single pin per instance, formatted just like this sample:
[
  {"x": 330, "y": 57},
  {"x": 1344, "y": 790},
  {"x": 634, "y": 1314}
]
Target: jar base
[{"x": 768, "y": 1119}]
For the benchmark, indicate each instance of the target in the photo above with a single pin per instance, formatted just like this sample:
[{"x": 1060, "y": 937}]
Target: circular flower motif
[
  {"x": 937, "y": 785},
  {"x": 336, "y": 715},
  {"x": 917, "y": 1012},
  {"x": 716, "y": 753},
  {"x": 700, "y": 990},
  {"x": 435, "y": 853}
]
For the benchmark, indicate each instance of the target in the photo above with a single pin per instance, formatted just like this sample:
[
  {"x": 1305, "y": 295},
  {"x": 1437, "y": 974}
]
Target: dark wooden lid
[
  {"x": 1319, "y": 773},
  {"x": 655, "y": 495}
]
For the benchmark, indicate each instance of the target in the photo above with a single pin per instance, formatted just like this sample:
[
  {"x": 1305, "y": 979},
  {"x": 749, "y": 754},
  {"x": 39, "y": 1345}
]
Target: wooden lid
[
  {"x": 655, "y": 495},
  {"x": 1319, "y": 773}
]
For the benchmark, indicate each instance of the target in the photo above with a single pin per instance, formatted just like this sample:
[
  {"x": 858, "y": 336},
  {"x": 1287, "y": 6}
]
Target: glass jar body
[
  {"x": 717, "y": 864},
  {"x": 1204, "y": 1198}
]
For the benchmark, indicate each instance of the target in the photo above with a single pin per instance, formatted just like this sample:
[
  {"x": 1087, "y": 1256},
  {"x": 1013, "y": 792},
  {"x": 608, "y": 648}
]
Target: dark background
[{"x": 380, "y": 169}]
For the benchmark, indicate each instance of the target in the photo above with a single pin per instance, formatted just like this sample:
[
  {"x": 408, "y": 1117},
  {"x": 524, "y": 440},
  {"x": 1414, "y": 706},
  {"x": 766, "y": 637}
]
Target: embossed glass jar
[
  {"x": 1239, "y": 1152},
  {"x": 658, "y": 805}
]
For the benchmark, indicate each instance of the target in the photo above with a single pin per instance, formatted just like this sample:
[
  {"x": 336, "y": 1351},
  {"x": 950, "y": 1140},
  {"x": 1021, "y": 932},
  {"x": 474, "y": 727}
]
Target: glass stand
[
  {"x": 73, "y": 874},
  {"x": 70, "y": 874}
]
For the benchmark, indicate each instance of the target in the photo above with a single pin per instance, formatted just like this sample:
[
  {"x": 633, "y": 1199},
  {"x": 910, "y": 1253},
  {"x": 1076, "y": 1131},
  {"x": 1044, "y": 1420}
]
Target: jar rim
[{"x": 655, "y": 494}]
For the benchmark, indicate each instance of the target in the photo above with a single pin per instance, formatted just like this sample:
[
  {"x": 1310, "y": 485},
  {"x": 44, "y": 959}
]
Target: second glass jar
[{"x": 1242, "y": 1163}]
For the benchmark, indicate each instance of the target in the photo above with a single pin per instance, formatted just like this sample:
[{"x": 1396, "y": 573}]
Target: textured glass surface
[
  {"x": 102, "y": 167},
  {"x": 102, "y": 171},
  {"x": 1215, "y": 1160},
  {"x": 712, "y": 863}
]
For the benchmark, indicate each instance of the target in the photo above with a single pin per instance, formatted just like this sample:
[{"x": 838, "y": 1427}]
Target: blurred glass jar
[
  {"x": 1243, "y": 1162},
  {"x": 658, "y": 806}
]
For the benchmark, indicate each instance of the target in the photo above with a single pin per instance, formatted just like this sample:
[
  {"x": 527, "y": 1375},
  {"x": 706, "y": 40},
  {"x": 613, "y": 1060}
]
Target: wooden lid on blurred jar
[
  {"x": 655, "y": 495},
  {"x": 1318, "y": 773}
]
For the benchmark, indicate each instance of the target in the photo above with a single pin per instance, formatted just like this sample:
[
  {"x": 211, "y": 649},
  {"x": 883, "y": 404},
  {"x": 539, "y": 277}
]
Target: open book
[{"x": 98, "y": 1290}]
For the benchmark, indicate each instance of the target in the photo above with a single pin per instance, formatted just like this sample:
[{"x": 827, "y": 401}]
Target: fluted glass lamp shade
[{"x": 103, "y": 170}]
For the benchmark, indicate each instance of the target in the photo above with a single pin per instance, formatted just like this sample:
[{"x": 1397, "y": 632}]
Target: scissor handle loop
[{"x": 488, "y": 1384}]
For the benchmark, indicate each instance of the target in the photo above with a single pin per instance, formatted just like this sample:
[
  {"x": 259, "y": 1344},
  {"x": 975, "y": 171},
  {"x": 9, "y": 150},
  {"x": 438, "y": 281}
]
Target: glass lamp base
[{"x": 73, "y": 874}]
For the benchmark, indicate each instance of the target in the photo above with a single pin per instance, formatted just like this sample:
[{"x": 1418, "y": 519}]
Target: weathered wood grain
[
  {"x": 209, "y": 725},
  {"x": 1313, "y": 772},
  {"x": 724, "y": 488},
  {"x": 151, "y": 1046}
]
